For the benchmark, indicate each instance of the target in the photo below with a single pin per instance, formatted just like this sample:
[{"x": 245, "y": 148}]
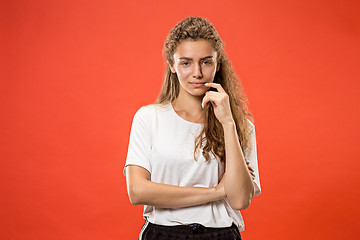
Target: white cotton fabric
[{"x": 163, "y": 143}]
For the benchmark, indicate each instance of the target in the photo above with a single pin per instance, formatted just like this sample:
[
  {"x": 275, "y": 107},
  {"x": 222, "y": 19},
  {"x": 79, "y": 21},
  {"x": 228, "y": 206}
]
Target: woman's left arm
[{"x": 238, "y": 183}]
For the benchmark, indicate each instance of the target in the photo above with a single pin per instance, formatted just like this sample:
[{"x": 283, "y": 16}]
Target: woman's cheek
[
  {"x": 210, "y": 72},
  {"x": 183, "y": 73}
]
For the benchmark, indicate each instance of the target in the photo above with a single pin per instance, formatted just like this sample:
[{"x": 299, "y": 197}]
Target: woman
[{"x": 176, "y": 164}]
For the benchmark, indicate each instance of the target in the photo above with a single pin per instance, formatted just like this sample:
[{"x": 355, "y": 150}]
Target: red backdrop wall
[{"x": 74, "y": 73}]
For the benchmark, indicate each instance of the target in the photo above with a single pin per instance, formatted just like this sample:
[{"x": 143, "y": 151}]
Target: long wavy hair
[{"x": 196, "y": 28}]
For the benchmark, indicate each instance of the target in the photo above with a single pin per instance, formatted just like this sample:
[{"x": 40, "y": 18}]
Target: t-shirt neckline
[{"x": 183, "y": 120}]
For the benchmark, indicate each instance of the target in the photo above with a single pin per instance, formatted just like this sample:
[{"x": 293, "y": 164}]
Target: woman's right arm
[{"x": 142, "y": 191}]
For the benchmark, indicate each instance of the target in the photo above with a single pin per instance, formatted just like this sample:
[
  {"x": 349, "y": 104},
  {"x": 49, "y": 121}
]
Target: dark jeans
[{"x": 194, "y": 231}]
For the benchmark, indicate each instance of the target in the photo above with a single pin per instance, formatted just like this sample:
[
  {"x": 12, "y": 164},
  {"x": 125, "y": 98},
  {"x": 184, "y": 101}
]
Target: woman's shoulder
[
  {"x": 152, "y": 108},
  {"x": 156, "y": 105}
]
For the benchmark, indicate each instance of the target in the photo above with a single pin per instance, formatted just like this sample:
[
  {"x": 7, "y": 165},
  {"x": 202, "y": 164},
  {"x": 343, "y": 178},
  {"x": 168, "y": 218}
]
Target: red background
[{"x": 73, "y": 73}]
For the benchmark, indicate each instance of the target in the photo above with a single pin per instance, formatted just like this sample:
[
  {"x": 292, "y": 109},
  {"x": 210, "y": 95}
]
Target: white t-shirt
[{"x": 163, "y": 143}]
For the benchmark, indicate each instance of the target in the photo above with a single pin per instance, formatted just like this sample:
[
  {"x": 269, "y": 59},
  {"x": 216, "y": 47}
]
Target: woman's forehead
[{"x": 195, "y": 49}]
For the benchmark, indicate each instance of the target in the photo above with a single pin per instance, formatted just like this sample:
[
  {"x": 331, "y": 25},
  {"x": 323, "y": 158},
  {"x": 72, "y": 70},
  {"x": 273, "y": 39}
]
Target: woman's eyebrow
[{"x": 187, "y": 58}]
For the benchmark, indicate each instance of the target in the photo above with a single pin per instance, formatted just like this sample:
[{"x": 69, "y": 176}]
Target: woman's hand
[
  {"x": 251, "y": 170},
  {"x": 220, "y": 102},
  {"x": 220, "y": 188}
]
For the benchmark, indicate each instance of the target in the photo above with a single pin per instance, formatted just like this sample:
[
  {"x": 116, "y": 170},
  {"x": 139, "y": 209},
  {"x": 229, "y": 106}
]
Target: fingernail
[{"x": 206, "y": 84}]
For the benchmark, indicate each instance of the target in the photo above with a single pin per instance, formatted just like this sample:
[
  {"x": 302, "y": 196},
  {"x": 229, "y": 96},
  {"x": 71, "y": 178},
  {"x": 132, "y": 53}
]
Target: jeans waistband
[{"x": 190, "y": 228}]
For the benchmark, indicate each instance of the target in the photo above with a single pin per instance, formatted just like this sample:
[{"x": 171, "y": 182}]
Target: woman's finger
[
  {"x": 204, "y": 102},
  {"x": 212, "y": 96},
  {"x": 212, "y": 93},
  {"x": 253, "y": 176},
  {"x": 208, "y": 98},
  {"x": 251, "y": 170},
  {"x": 218, "y": 87}
]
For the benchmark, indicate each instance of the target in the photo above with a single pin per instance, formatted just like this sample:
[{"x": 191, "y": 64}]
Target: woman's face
[{"x": 195, "y": 63}]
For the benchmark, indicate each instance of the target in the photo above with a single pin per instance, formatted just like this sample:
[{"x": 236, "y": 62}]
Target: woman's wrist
[
  {"x": 218, "y": 192},
  {"x": 229, "y": 124}
]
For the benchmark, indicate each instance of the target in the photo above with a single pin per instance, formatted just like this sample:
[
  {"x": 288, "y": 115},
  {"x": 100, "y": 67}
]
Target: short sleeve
[
  {"x": 251, "y": 156},
  {"x": 139, "y": 148}
]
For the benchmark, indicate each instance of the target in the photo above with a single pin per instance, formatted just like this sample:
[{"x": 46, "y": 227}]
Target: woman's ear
[
  {"x": 172, "y": 69},
  {"x": 218, "y": 63}
]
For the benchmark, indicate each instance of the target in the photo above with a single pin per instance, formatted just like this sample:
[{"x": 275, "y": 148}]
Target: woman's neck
[{"x": 189, "y": 107}]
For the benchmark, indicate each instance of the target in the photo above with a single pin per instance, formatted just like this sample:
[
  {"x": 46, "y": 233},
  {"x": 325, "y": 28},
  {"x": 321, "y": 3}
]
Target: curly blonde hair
[{"x": 196, "y": 28}]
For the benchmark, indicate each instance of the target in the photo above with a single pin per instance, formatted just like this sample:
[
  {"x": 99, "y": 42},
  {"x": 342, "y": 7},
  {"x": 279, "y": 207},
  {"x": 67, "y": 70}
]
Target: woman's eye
[
  {"x": 185, "y": 63},
  {"x": 207, "y": 62}
]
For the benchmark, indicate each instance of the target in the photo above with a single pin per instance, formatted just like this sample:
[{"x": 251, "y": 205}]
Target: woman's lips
[{"x": 197, "y": 84}]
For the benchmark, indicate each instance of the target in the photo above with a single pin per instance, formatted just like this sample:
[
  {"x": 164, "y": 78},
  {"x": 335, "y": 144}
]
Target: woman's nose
[{"x": 197, "y": 71}]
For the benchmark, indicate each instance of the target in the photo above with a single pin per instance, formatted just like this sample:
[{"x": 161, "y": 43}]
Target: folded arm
[{"x": 142, "y": 191}]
